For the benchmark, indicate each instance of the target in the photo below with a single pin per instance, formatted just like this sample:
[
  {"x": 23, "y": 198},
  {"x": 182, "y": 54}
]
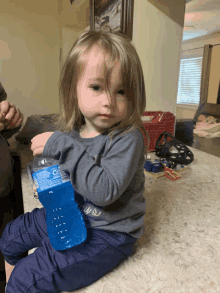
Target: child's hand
[{"x": 38, "y": 142}]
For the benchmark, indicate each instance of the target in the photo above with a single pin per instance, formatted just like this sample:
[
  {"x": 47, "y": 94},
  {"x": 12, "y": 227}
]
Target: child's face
[{"x": 94, "y": 99}]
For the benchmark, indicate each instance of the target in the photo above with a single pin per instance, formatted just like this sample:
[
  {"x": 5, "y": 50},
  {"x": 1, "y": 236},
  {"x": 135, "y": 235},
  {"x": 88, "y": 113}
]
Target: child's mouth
[{"x": 106, "y": 116}]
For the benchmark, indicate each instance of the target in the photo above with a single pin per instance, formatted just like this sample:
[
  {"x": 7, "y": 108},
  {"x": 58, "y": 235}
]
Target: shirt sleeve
[{"x": 102, "y": 184}]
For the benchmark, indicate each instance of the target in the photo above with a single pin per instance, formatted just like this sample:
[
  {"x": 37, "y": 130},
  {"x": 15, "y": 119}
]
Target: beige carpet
[{"x": 180, "y": 249}]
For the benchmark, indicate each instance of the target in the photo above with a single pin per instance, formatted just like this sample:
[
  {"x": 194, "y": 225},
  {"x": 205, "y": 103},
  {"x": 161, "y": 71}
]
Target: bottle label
[{"x": 49, "y": 177}]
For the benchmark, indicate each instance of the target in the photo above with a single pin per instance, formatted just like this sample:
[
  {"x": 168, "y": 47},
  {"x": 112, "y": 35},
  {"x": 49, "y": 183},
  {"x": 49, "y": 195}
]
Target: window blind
[{"x": 190, "y": 77}]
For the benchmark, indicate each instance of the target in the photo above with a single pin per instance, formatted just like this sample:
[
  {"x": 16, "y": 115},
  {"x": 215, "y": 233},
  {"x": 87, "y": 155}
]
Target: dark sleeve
[
  {"x": 102, "y": 184},
  {"x": 7, "y": 133},
  {"x": 3, "y": 95}
]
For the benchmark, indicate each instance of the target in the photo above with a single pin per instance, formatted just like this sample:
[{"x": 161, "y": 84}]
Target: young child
[{"x": 100, "y": 144}]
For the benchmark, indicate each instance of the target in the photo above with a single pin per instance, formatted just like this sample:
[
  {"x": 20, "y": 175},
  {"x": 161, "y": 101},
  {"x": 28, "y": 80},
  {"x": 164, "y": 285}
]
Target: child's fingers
[
  {"x": 34, "y": 188},
  {"x": 37, "y": 137},
  {"x": 38, "y": 151},
  {"x": 35, "y": 191},
  {"x": 35, "y": 146}
]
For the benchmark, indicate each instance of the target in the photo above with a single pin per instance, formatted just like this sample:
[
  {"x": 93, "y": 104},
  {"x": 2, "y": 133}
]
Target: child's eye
[
  {"x": 95, "y": 87},
  {"x": 122, "y": 92}
]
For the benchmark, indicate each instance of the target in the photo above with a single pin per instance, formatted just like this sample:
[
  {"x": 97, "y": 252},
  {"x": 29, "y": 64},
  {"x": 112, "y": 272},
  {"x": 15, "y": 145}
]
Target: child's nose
[{"x": 108, "y": 100}]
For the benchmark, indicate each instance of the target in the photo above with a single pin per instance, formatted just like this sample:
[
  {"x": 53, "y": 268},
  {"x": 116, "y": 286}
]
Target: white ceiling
[{"x": 204, "y": 16}]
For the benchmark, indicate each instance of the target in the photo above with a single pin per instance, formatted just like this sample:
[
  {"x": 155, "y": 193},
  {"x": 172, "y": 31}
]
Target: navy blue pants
[{"x": 48, "y": 270}]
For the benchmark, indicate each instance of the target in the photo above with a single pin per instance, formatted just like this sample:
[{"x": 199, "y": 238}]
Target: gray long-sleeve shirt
[{"x": 107, "y": 175}]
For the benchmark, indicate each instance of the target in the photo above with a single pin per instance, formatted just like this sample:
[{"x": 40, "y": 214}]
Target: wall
[
  {"x": 35, "y": 32},
  {"x": 157, "y": 36},
  {"x": 212, "y": 39},
  {"x": 69, "y": 36},
  {"x": 185, "y": 113},
  {"x": 214, "y": 77},
  {"x": 73, "y": 20},
  {"x": 75, "y": 16},
  {"x": 29, "y": 65}
]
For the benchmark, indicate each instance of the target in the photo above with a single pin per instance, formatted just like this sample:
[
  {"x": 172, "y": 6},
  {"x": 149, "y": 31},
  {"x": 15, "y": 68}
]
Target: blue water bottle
[{"x": 65, "y": 224}]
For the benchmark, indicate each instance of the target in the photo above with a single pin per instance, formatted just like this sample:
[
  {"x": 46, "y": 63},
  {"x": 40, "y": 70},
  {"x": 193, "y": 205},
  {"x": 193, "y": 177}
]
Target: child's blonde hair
[{"x": 116, "y": 46}]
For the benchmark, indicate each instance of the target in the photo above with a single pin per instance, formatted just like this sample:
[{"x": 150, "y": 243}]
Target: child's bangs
[{"x": 111, "y": 56}]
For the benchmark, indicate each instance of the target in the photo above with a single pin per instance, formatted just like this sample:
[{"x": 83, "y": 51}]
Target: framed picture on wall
[{"x": 112, "y": 16}]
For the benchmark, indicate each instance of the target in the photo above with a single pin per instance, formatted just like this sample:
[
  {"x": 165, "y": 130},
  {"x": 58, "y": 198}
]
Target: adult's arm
[{"x": 7, "y": 133}]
